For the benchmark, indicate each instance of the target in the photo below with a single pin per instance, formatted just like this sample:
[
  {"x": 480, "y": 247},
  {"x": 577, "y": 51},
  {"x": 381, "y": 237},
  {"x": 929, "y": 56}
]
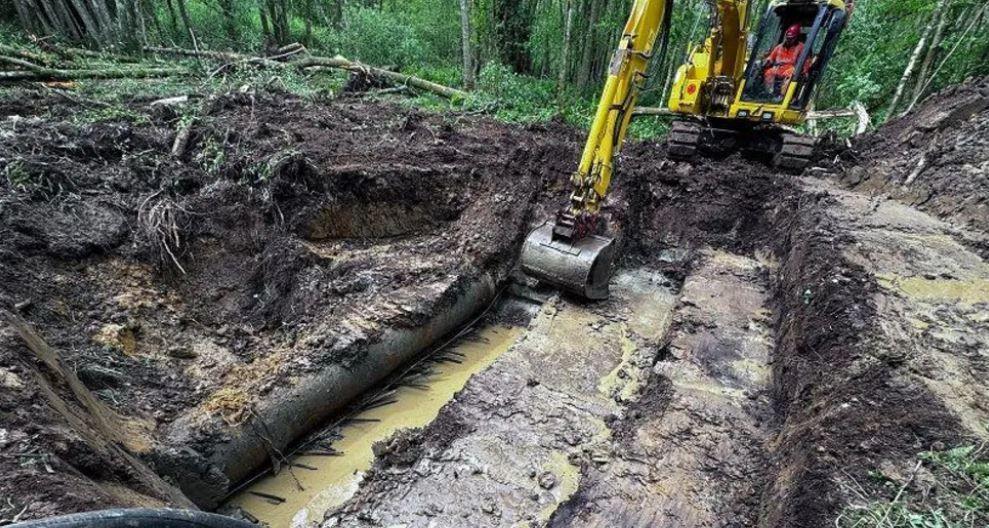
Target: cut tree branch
[
  {"x": 291, "y": 59},
  {"x": 388, "y": 75}
]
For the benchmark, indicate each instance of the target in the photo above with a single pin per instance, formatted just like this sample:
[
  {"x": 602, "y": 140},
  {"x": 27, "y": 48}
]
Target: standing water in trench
[{"x": 300, "y": 495}]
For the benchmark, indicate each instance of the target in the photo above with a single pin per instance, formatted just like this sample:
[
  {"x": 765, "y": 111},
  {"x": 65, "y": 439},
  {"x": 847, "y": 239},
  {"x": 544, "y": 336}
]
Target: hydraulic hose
[{"x": 138, "y": 518}]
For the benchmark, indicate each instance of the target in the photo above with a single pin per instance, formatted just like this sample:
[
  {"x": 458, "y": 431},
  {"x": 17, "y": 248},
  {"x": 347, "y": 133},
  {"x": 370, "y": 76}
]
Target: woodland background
[{"x": 537, "y": 58}]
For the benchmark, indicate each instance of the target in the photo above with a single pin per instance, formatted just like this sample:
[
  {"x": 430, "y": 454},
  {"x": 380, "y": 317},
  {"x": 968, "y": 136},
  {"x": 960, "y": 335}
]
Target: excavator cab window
[
  {"x": 772, "y": 65},
  {"x": 824, "y": 41}
]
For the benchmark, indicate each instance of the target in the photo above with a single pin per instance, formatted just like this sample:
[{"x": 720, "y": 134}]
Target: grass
[
  {"x": 947, "y": 489},
  {"x": 522, "y": 100}
]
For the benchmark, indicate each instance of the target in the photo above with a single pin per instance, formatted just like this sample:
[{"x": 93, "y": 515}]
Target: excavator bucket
[{"x": 582, "y": 267}]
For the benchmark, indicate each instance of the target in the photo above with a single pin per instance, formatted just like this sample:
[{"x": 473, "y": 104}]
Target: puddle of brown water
[
  {"x": 335, "y": 479},
  {"x": 968, "y": 292}
]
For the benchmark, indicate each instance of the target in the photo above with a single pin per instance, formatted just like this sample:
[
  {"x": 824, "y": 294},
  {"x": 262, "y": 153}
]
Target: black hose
[{"x": 138, "y": 518}]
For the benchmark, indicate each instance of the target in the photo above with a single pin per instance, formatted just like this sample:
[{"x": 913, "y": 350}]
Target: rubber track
[
  {"x": 684, "y": 140},
  {"x": 796, "y": 152}
]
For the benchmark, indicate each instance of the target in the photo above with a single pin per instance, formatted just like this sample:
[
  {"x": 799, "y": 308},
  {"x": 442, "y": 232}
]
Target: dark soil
[
  {"x": 936, "y": 158},
  {"x": 160, "y": 280},
  {"x": 829, "y": 356},
  {"x": 287, "y": 229}
]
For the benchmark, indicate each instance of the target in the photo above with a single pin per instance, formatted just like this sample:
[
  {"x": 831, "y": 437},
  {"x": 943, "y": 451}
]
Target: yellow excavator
[{"x": 729, "y": 90}]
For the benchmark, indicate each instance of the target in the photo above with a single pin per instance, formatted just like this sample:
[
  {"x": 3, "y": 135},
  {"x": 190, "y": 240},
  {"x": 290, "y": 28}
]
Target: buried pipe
[
  {"x": 230, "y": 454},
  {"x": 138, "y": 518}
]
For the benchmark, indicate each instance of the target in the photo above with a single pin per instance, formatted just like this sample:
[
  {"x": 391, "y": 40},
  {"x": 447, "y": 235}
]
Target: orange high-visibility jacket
[{"x": 786, "y": 61}]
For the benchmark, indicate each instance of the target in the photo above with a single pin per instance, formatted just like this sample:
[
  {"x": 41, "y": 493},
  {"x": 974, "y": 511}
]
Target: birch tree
[
  {"x": 561, "y": 79},
  {"x": 932, "y": 52},
  {"x": 915, "y": 56},
  {"x": 466, "y": 46}
]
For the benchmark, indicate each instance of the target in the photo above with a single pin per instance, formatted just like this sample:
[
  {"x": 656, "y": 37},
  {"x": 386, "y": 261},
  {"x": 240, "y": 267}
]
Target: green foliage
[
  {"x": 876, "y": 46},
  {"x": 959, "y": 498},
  {"x": 211, "y": 155},
  {"x": 111, "y": 112},
  {"x": 16, "y": 174},
  {"x": 521, "y": 99},
  {"x": 423, "y": 38},
  {"x": 378, "y": 37}
]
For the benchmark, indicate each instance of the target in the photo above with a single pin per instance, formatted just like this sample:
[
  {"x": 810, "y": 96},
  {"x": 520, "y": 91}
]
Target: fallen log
[
  {"x": 182, "y": 52},
  {"x": 291, "y": 59},
  {"x": 227, "y": 56},
  {"x": 27, "y": 55},
  {"x": 54, "y": 75},
  {"x": 30, "y": 71},
  {"x": 391, "y": 76}
]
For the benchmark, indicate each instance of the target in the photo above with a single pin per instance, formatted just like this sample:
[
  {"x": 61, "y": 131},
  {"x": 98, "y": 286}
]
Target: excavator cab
[
  {"x": 786, "y": 100},
  {"x": 746, "y": 94}
]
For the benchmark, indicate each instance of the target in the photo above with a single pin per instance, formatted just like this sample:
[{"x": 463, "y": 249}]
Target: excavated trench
[{"x": 312, "y": 317}]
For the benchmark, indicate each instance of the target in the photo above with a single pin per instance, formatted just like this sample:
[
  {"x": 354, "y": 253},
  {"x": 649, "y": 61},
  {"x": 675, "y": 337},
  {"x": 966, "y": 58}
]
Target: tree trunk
[
  {"x": 668, "y": 85},
  {"x": 46, "y": 23},
  {"x": 184, "y": 14},
  {"x": 102, "y": 14},
  {"x": 142, "y": 29},
  {"x": 912, "y": 63},
  {"x": 467, "y": 47},
  {"x": 941, "y": 12},
  {"x": 561, "y": 80},
  {"x": 27, "y": 21},
  {"x": 336, "y": 14},
  {"x": 278, "y": 15},
  {"x": 513, "y": 27},
  {"x": 60, "y": 16},
  {"x": 584, "y": 74},
  {"x": 124, "y": 27},
  {"x": 265, "y": 25},
  {"x": 228, "y": 9},
  {"x": 88, "y": 22}
]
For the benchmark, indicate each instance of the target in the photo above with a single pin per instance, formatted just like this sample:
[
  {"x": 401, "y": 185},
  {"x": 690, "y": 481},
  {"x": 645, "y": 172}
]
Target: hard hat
[{"x": 793, "y": 31}]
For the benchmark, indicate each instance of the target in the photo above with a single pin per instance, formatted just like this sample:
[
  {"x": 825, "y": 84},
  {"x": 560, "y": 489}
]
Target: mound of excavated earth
[
  {"x": 936, "y": 158},
  {"x": 286, "y": 237},
  {"x": 772, "y": 342}
]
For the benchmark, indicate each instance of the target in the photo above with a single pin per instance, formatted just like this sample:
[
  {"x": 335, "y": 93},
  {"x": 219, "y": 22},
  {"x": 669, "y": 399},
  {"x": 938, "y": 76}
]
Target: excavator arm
[
  {"x": 626, "y": 76},
  {"x": 569, "y": 253}
]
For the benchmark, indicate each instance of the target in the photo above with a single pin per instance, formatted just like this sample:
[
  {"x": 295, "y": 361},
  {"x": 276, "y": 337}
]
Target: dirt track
[{"x": 772, "y": 341}]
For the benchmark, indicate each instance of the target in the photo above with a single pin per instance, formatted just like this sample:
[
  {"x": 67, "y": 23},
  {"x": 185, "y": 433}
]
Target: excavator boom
[{"x": 569, "y": 253}]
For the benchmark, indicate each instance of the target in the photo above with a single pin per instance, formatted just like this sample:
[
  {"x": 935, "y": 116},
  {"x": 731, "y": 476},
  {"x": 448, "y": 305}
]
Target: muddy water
[
  {"x": 318, "y": 484},
  {"x": 535, "y": 427}
]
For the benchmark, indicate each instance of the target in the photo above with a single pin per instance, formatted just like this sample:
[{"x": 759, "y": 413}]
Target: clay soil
[{"x": 165, "y": 287}]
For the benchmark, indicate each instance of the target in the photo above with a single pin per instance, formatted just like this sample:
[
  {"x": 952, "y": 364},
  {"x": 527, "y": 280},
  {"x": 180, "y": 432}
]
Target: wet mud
[
  {"x": 186, "y": 290},
  {"x": 315, "y": 484},
  {"x": 771, "y": 341},
  {"x": 935, "y": 159}
]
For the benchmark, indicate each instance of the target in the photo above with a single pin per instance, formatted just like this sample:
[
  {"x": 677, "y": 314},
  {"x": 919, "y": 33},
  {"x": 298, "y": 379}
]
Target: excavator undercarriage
[{"x": 783, "y": 148}]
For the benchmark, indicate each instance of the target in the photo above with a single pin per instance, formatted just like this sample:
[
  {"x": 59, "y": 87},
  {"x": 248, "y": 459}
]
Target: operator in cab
[{"x": 782, "y": 61}]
